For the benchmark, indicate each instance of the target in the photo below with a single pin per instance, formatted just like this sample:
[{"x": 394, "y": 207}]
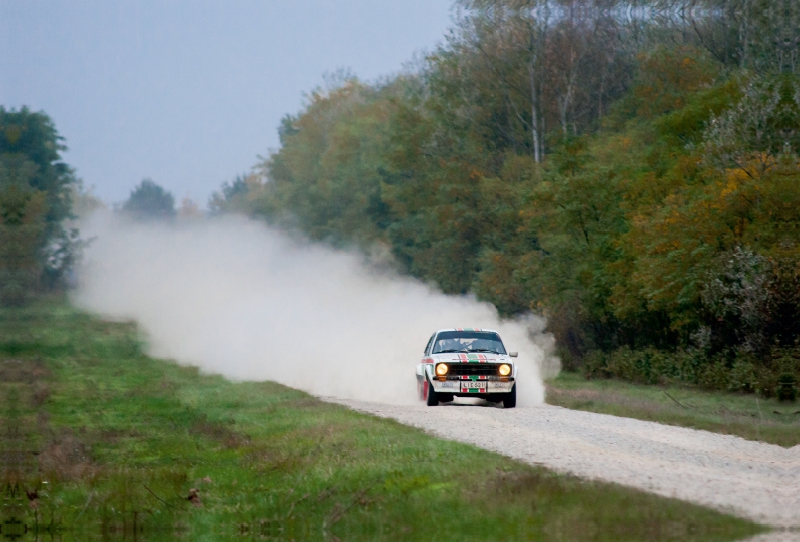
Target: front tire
[
  {"x": 432, "y": 398},
  {"x": 510, "y": 400}
]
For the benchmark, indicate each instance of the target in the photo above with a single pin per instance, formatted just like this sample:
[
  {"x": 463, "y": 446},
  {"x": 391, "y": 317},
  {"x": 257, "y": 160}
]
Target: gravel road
[{"x": 750, "y": 479}]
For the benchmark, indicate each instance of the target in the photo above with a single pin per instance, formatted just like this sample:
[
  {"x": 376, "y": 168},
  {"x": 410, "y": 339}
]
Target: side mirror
[{"x": 513, "y": 354}]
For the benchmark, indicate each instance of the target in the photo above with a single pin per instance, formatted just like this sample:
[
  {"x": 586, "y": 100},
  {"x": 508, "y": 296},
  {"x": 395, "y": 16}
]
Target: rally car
[{"x": 467, "y": 363}]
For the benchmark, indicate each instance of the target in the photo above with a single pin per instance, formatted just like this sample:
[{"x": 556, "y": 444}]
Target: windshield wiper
[{"x": 485, "y": 350}]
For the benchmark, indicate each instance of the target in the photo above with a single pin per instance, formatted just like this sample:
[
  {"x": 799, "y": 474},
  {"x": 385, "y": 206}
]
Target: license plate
[{"x": 473, "y": 385}]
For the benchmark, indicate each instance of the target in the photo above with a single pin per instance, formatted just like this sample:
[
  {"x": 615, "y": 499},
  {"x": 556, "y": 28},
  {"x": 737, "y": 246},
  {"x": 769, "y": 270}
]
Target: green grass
[
  {"x": 747, "y": 416},
  {"x": 114, "y": 442}
]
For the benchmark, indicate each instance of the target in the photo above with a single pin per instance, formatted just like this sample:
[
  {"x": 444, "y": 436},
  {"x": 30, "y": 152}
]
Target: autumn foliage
[{"x": 640, "y": 187}]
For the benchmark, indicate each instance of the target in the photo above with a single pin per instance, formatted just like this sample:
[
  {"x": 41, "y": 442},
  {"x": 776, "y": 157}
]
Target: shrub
[
  {"x": 742, "y": 376},
  {"x": 595, "y": 365},
  {"x": 735, "y": 371},
  {"x": 715, "y": 376},
  {"x": 787, "y": 387}
]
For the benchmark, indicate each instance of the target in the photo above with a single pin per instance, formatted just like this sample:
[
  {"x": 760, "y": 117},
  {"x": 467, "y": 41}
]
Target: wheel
[
  {"x": 431, "y": 398},
  {"x": 510, "y": 399}
]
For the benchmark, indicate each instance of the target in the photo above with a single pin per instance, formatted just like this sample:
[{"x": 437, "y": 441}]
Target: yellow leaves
[
  {"x": 638, "y": 220},
  {"x": 728, "y": 189},
  {"x": 672, "y": 239},
  {"x": 738, "y": 176}
]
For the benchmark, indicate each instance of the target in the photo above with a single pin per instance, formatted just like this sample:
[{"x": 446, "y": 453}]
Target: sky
[{"x": 190, "y": 93}]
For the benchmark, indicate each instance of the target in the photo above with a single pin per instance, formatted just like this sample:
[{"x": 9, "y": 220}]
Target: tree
[
  {"x": 624, "y": 177},
  {"x": 35, "y": 200},
  {"x": 22, "y": 230},
  {"x": 149, "y": 201},
  {"x": 761, "y": 36},
  {"x": 557, "y": 64},
  {"x": 243, "y": 195},
  {"x": 326, "y": 177}
]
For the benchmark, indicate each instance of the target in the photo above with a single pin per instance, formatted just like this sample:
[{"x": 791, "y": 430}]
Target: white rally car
[{"x": 467, "y": 363}]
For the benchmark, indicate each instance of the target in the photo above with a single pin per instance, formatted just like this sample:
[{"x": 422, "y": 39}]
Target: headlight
[
  {"x": 504, "y": 369},
  {"x": 441, "y": 369}
]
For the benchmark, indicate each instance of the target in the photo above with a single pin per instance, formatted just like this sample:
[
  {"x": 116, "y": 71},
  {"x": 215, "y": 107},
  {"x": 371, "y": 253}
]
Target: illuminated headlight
[
  {"x": 504, "y": 369},
  {"x": 441, "y": 369}
]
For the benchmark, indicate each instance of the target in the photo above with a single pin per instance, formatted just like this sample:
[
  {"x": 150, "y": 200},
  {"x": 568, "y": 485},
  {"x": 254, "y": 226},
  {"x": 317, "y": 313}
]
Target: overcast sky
[{"x": 188, "y": 93}]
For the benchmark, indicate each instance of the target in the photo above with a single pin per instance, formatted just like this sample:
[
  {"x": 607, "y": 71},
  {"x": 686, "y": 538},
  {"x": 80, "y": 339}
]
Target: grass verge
[
  {"x": 103, "y": 442},
  {"x": 747, "y": 416}
]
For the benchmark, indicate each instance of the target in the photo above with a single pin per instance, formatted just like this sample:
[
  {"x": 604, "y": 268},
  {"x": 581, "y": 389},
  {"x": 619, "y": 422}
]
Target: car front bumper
[{"x": 454, "y": 386}]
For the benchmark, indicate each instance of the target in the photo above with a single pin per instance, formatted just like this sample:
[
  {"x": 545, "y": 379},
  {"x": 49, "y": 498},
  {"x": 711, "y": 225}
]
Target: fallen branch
[
  {"x": 337, "y": 515},
  {"x": 156, "y": 496},
  {"x": 326, "y": 493},
  {"x": 298, "y": 501},
  {"x": 91, "y": 494},
  {"x": 678, "y": 402}
]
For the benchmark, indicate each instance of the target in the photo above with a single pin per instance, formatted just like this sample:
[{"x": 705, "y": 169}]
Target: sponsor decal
[{"x": 472, "y": 358}]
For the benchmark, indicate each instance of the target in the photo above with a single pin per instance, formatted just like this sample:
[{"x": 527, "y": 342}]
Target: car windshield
[{"x": 468, "y": 341}]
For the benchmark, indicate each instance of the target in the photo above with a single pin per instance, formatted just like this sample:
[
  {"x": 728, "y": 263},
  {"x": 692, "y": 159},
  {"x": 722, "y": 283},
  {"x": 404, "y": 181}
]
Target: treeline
[
  {"x": 40, "y": 200},
  {"x": 37, "y": 248},
  {"x": 629, "y": 171}
]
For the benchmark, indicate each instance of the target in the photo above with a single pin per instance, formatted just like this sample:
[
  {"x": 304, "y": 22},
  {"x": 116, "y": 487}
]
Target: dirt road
[{"x": 750, "y": 479}]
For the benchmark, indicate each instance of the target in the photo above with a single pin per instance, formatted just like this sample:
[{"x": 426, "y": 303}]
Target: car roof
[{"x": 467, "y": 329}]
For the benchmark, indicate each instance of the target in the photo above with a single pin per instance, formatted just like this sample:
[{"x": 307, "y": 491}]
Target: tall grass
[{"x": 745, "y": 415}]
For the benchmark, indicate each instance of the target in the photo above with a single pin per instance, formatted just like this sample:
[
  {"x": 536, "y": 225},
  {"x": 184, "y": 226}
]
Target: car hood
[{"x": 470, "y": 358}]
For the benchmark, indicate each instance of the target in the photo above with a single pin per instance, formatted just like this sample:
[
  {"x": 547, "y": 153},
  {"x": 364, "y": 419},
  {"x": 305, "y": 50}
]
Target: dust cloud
[{"x": 235, "y": 297}]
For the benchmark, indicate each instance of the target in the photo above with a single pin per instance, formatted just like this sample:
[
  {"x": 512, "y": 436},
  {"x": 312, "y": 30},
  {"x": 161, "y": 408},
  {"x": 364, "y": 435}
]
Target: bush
[
  {"x": 787, "y": 387},
  {"x": 647, "y": 366},
  {"x": 738, "y": 371},
  {"x": 743, "y": 376},
  {"x": 715, "y": 376}
]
